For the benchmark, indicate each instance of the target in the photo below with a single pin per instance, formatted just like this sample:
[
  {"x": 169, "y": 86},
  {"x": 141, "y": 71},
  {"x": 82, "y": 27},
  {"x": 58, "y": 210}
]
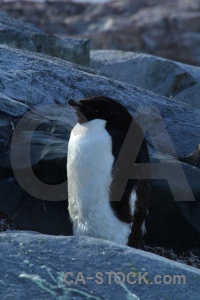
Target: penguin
[{"x": 94, "y": 149}]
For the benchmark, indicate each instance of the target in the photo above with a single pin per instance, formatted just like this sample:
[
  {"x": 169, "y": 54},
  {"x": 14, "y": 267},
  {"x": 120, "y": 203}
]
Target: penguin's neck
[{"x": 89, "y": 168}]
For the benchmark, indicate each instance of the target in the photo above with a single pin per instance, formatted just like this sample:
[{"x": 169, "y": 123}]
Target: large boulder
[
  {"x": 168, "y": 78},
  {"x": 34, "y": 129},
  {"x": 164, "y": 28},
  {"x": 48, "y": 158},
  {"x": 26, "y": 36},
  {"x": 41, "y": 267},
  {"x": 174, "y": 224},
  {"x": 36, "y": 80}
]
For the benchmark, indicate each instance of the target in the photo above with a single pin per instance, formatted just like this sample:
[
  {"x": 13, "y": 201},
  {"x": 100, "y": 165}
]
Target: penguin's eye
[{"x": 99, "y": 108}]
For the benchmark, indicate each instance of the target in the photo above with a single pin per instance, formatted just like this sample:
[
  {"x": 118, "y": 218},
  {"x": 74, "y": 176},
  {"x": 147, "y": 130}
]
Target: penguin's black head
[{"x": 100, "y": 107}]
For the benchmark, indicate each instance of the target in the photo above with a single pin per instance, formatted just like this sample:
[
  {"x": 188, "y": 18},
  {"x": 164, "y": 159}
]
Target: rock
[
  {"x": 11, "y": 107},
  {"x": 168, "y": 29},
  {"x": 48, "y": 217},
  {"x": 190, "y": 95},
  {"x": 75, "y": 50},
  {"x": 169, "y": 78},
  {"x": 37, "y": 80},
  {"x": 193, "y": 158},
  {"x": 38, "y": 87},
  {"x": 6, "y": 223},
  {"x": 27, "y": 37},
  {"x": 11, "y": 194},
  {"x": 179, "y": 226},
  {"x": 41, "y": 267},
  {"x": 48, "y": 157}
]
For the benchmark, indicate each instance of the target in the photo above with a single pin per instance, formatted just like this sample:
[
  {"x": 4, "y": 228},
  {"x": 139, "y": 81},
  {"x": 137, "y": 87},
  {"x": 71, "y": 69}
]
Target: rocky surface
[
  {"x": 170, "y": 222},
  {"x": 35, "y": 266},
  {"x": 165, "y": 28},
  {"x": 42, "y": 99},
  {"x": 176, "y": 81},
  {"x": 6, "y": 223},
  {"x": 192, "y": 158},
  {"x": 27, "y": 37},
  {"x": 35, "y": 123},
  {"x": 36, "y": 80}
]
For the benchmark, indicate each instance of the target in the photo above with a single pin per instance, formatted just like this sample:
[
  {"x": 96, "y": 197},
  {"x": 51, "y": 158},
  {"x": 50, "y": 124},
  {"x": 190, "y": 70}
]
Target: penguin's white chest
[{"x": 89, "y": 166}]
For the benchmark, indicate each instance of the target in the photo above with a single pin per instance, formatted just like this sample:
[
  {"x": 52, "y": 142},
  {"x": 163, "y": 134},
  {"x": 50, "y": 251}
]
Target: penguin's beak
[
  {"x": 78, "y": 107},
  {"x": 75, "y": 105}
]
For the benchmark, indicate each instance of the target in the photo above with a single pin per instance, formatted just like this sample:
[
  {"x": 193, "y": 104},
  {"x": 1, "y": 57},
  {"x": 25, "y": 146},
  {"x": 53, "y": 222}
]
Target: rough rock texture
[
  {"x": 6, "y": 223},
  {"x": 173, "y": 222},
  {"x": 48, "y": 157},
  {"x": 34, "y": 266},
  {"x": 165, "y": 28},
  {"x": 37, "y": 87},
  {"x": 35, "y": 80},
  {"x": 27, "y": 37},
  {"x": 169, "y": 78},
  {"x": 193, "y": 158},
  {"x": 47, "y": 81}
]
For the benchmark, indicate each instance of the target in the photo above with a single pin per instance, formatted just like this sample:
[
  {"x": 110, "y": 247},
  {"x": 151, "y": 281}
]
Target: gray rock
[
  {"x": 11, "y": 107},
  {"x": 6, "y": 223},
  {"x": 16, "y": 33},
  {"x": 36, "y": 266},
  {"x": 48, "y": 138},
  {"x": 177, "y": 219},
  {"x": 35, "y": 80},
  {"x": 48, "y": 217},
  {"x": 164, "y": 28},
  {"x": 190, "y": 96},
  {"x": 168, "y": 78},
  {"x": 11, "y": 194}
]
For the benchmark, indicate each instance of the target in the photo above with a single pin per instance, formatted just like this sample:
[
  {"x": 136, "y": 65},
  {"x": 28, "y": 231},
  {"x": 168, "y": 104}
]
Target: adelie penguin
[{"x": 108, "y": 191}]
